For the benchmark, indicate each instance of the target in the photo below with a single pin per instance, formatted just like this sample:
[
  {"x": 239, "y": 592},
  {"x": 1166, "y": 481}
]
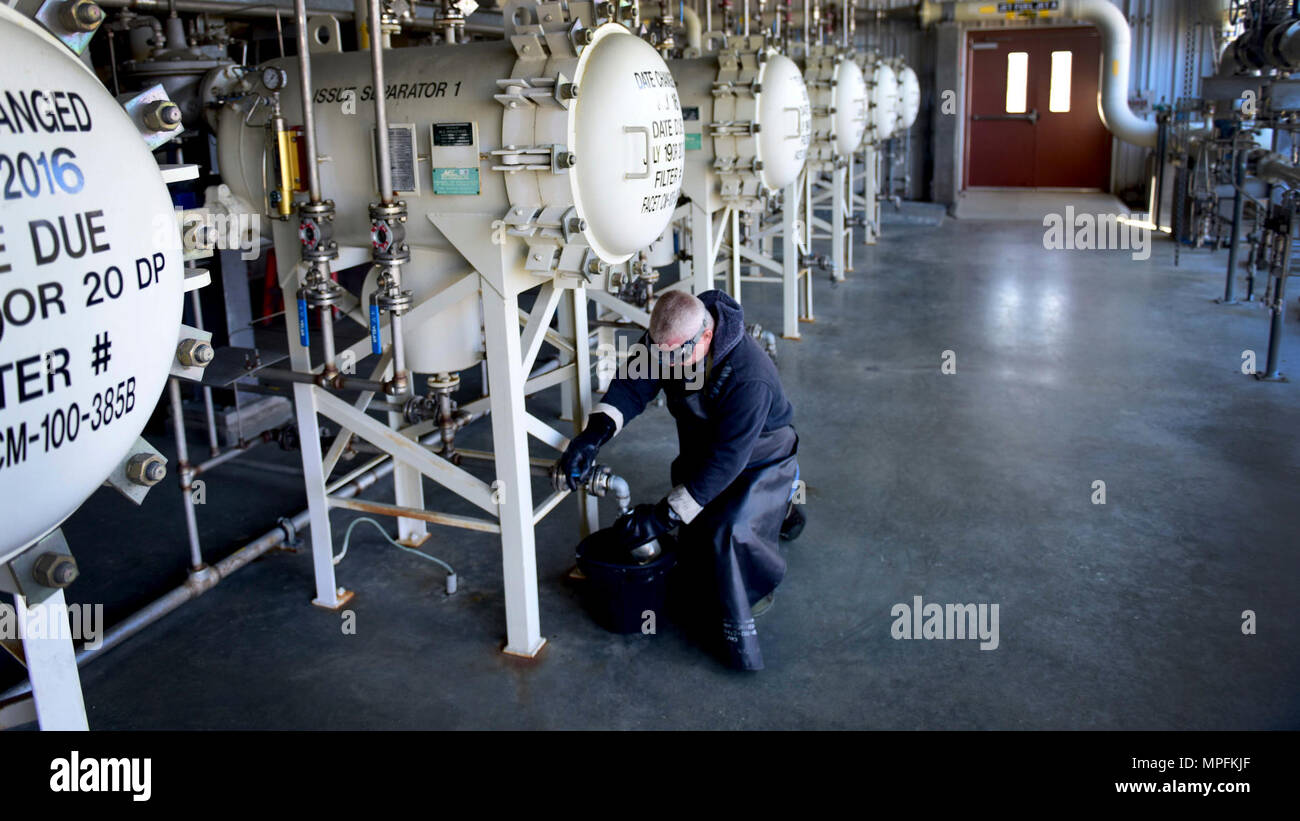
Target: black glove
[
  {"x": 580, "y": 457},
  {"x": 644, "y": 523}
]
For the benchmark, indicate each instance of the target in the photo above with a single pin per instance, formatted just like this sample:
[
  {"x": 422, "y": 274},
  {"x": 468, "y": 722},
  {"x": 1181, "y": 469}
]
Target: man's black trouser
[{"x": 729, "y": 555}]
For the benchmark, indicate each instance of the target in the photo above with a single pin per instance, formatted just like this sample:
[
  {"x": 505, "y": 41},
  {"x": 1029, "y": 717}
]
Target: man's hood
[{"x": 729, "y": 327}]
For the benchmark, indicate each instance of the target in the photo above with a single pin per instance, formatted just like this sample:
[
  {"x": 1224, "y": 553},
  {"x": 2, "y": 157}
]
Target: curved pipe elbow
[
  {"x": 694, "y": 30},
  {"x": 1273, "y": 168},
  {"x": 1112, "y": 99},
  {"x": 622, "y": 493}
]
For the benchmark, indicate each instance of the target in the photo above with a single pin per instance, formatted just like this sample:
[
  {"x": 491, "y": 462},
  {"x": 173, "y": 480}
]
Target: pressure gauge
[{"x": 274, "y": 78}]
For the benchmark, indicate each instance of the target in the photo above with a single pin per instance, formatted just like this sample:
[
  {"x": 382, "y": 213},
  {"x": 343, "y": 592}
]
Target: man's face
[{"x": 685, "y": 350}]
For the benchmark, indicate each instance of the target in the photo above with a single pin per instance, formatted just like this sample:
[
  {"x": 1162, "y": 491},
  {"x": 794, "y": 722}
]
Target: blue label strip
[
  {"x": 375, "y": 346},
  {"x": 304, "y": 334}
]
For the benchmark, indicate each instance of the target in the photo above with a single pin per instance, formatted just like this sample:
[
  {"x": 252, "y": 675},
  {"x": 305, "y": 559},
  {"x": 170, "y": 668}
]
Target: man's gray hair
[{"x": 677, "y": 317}]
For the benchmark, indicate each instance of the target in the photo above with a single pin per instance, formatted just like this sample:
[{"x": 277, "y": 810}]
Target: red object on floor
[{"x": 272, "y": 298}]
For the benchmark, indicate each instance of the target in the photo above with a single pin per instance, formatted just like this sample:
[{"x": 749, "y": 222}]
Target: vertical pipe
[
  {"x": 209, "y": 413},
  {"x": 1162, "y": 147},
  {"x": 327, "y": 334},
  {"x": 399, "y": 343},
  {"x": 360, "y": 15},
  {"x": 385, "y": 172},
  {"x": 183, "y": 458},
  {"x": 1238, "y": 205},
  {"x": 308, "y": 110},
  {"x": 1277, "y": 305}
]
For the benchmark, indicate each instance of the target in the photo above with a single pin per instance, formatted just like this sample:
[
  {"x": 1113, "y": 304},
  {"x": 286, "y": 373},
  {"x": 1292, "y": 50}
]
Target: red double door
[{"x": 1031, "y": 113}]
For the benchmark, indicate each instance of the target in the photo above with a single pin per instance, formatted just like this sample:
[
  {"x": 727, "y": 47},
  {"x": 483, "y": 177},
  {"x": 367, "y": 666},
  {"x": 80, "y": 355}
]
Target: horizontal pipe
[
  {"x": 482, "y": 21},
  {"x": 346, "y": 383},
  {"x": 432, "y": 516},
  {"x": 215, "y": 7},
  {"x": 225, "y": 456},
  {"x": 1273, "y": 168}
]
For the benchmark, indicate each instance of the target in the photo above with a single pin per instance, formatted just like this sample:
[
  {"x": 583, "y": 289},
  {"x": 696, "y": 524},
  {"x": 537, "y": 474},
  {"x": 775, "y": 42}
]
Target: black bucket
[{"x": 618, "y": 594}]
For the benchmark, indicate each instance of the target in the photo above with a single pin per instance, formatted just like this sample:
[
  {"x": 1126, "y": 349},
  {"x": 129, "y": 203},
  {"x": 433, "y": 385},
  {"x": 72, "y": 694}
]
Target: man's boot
[{"x": 793, "y": 524}]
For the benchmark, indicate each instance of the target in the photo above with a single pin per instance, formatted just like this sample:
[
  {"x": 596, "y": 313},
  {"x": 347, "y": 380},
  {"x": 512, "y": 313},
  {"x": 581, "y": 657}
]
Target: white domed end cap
[
  {"x": 909, "y": 98},
  {"x": 626, "y": 129},
  {"x": 786, "y": 119},
  {"x": 850, "y": 101},
  {"x": 98, "y": 330},
  {"x": 884, "y": 101}
]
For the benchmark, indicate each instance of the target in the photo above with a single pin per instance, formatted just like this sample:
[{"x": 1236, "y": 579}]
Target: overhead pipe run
[
  {"x": 486, "y": 22},
  {"x": 1112, "y": 99}
]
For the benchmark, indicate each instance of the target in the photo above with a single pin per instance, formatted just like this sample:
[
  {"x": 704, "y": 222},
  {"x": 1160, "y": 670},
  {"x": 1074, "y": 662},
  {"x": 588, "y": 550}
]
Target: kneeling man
[{"x": 735, "y": 470}]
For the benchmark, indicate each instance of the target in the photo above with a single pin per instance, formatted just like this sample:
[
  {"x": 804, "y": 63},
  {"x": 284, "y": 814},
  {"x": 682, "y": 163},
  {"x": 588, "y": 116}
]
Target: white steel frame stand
[
  {"x": 869, "y": 199},
  {"x": 56, "y": 702},
  {"x": 839, "y": 229},
  {"x": 511, "y": 354},
  {"x": 709, "y": 236},
  {"x": 795, "y": 279}
]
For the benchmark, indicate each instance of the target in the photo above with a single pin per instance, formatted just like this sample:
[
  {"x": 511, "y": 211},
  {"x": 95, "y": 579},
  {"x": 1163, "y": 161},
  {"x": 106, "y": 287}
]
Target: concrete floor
[
  {"x": 1029, "y": 205},
  {"x": 973, "y": 487}
]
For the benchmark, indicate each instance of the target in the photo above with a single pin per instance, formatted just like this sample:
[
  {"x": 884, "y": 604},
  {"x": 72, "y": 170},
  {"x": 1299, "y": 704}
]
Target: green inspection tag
[
  {"x": 694, "y": 142},
  {"x": 455, "y": 181}
]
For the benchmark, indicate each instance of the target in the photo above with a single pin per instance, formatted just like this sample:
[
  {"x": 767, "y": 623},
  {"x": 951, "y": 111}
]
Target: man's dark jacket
[{"x": 735, "y": 468}]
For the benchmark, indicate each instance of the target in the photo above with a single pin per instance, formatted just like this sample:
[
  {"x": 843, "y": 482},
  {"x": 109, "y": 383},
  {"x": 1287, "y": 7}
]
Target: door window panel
[
  {"x": 1059, "y": 96},
  {"x": 1017, "y": 81}
]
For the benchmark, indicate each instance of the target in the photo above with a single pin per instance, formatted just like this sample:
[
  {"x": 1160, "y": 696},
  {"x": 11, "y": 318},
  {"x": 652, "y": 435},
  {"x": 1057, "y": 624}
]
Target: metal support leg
[
  {"x": 575, "y": 305},
  {"x": 849, "y": 208},
  {"x": 807, "y": 296},
  {"x": 808, "y": 210},
  {"x": 408, "y": 491},
  {"x": 870, "y": 198},
  {"x": 513, "y": 489},
  {"x": 52, "y": 666},
  {"x": 564, "y": 325},
  {"x": 701, "y": 248},
  {"x": 838, "y": 262},
  {"x": 1276, "y": 316},
  {"x": 607, "y": 357},
  {"x": 790, "y": 264},
  {"x": 733, "y": 285},
  {"x": 328, "y": 594}
]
